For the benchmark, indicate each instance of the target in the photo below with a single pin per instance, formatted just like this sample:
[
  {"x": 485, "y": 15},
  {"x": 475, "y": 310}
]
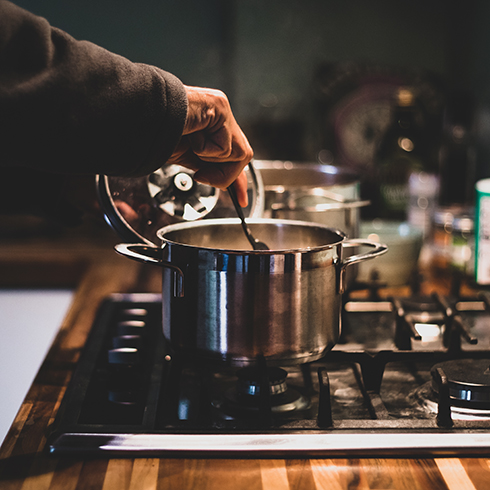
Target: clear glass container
[{"x": 453, "y": 242}]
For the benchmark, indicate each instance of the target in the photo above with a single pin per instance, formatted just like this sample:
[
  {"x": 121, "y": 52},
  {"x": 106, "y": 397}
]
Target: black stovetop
[{"x": 385, "y": 389}]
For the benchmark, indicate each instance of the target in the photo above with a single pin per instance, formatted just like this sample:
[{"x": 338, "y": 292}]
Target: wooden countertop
[{"x": 87, "y": 261}]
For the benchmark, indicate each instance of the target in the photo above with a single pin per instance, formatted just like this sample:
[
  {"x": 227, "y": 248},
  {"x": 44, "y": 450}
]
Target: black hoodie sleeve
[{"x": 71, "y": 107}]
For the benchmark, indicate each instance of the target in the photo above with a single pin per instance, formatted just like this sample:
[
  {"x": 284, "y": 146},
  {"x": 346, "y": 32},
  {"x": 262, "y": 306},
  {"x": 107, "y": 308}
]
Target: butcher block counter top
[{"x": 85, "y": 260}]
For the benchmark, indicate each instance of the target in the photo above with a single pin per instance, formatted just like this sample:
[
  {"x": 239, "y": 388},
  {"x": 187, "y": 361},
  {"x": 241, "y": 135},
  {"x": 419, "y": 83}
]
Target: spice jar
[
  {"x": 453, "y": 239},
  {"x": 482, "y": 263}
]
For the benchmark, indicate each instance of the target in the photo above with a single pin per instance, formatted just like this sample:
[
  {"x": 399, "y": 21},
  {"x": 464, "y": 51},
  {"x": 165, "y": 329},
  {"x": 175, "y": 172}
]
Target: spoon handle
[{"x": 238, "y": 208}]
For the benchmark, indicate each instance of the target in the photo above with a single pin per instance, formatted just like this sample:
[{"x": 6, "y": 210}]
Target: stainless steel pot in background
[
  {"x": 312, "y": 192},
  {"x": 224, "y": 302},
  {"x": 321, "y": 206}
]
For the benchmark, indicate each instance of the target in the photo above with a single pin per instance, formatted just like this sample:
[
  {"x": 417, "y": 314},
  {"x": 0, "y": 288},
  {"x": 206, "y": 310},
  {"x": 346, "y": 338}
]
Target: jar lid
[
  {"x": 457, "y": 218},
  {"x": 483, "y": 186}
]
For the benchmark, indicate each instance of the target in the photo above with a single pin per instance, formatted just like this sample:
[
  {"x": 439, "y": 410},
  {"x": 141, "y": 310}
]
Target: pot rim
[
  {"x": 236, "y": 221},
  {"x": 333, "y": 176}
]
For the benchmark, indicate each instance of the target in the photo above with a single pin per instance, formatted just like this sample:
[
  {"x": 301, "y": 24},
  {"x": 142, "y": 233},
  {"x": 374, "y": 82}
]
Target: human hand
[{"x": 213, "y": 143}]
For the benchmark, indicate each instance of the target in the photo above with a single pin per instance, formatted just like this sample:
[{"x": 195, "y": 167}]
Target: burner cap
[
  {"x": 244, "y": 399},
  {"x": 249, "y": 379},
  {"x": 469, "y": 381}
]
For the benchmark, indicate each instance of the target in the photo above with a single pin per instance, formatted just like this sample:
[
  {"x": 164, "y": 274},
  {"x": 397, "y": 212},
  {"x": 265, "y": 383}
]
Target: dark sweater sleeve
[{"x": 71, "y": 107}]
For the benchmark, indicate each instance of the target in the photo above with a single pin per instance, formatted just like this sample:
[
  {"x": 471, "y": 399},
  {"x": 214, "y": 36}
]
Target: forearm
[{"x": 72, "y": 107}]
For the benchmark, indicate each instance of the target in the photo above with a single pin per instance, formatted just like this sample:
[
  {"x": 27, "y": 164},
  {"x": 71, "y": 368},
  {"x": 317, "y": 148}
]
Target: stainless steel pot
[
  {"x": 312, "y": 192},
  {"x": 321, "y": 206},
  {"x": 223, "y": 301}
]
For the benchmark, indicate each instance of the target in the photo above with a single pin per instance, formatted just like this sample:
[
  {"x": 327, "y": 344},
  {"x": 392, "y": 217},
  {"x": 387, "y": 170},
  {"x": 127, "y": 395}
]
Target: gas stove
[{"x": 410, "y": 376}]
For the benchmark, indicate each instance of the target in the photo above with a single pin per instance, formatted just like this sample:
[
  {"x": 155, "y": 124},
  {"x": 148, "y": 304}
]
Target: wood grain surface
[{"x": 24, "y": 465}]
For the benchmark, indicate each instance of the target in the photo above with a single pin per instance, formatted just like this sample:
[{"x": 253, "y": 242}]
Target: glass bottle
[
  {"x": 399, "y": 156},
  {"x": 457, "y": 160}
]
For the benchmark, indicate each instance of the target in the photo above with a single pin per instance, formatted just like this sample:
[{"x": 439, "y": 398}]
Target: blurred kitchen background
[
  {"x": 312, "y": 80},
  {"x": 285, "y": 64}
]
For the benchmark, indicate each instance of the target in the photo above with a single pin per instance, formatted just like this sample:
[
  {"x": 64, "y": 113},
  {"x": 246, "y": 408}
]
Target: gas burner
[
  {"x": 250, "y": 378},
  {"x": 468, "y": 380},
  {"x": 385, "y": 390},
  {"x": 247, "y": 398},
  {"x": 427, "y": 402}
]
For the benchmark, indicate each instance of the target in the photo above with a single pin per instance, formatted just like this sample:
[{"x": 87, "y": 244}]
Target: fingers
[
  {"x": 223, "y": 144},
  {"x": 240, "y": 182},
  {"x": 220, "y": 175},
  {"x": 213, "y": 143},
  {"x": 221, "y": 147},
  {"x": 241, "y": 189},
  {"x": 205, "y": 108}
]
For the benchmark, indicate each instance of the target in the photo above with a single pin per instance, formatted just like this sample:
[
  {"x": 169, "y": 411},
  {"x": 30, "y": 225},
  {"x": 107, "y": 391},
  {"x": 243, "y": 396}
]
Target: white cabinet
[{"x": 29, "y": 321}]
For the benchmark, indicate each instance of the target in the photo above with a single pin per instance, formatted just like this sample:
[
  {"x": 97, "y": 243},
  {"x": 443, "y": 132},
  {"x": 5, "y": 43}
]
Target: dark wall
[
  {"x": 264, "y": 53},
  {"x": 181, "y": 36},
  {"x": 274, "y": 44},
  {"x": 281, "y": 42}
]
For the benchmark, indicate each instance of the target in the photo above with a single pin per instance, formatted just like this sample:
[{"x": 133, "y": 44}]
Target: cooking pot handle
[
  {"x": 378, "y": 249},
  {"x": 152, "y": 255}
]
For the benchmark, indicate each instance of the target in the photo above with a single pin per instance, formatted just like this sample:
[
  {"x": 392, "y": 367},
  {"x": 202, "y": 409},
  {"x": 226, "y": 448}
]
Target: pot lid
[
  {"x": 305, "y": 175},
  {"x": 137, "y": 207}
]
